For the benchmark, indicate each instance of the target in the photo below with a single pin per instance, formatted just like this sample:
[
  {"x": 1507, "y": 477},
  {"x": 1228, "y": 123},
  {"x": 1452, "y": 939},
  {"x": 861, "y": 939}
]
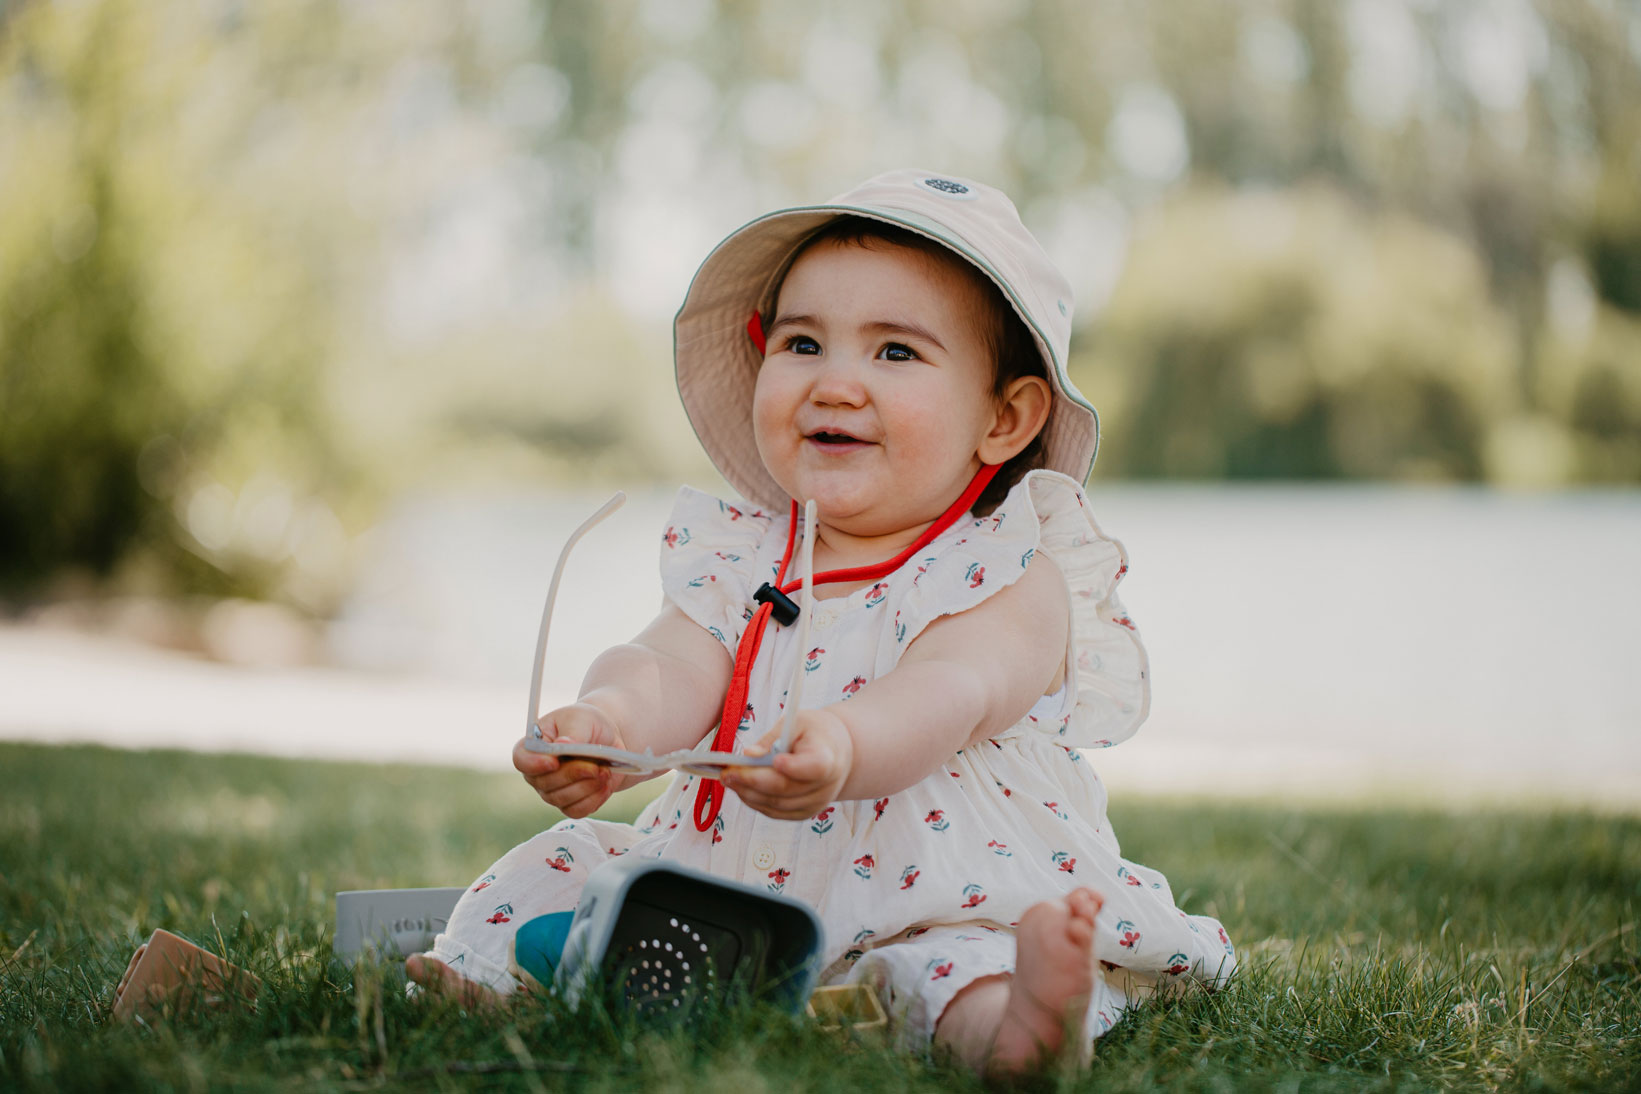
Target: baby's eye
[
  {"x": 802, "y": 343},
  {"x": 894, "y": 351}
]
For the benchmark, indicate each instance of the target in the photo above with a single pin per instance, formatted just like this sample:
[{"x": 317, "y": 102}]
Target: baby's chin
[
  {"x": 842, "y": 510},
  {"x": 869, "y": 518}
]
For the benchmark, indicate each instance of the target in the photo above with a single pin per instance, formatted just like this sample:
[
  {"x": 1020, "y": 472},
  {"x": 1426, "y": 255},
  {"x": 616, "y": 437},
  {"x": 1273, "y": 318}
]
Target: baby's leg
[
  {"x": 472, "y": 958},
  {"x": 437, "y": 977},
  {"x": 1006, "y": 1024}
]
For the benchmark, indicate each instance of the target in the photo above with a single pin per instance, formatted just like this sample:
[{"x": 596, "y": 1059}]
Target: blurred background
[{"x": 323, "y": 322}]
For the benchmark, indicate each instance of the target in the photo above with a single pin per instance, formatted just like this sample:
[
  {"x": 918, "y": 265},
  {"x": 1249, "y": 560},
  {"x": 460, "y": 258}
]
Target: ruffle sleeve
[
  {"x": 1112, "y": 675},
  {"x": 1045, "y": 511},
  {"x": 710, "y": 562}
]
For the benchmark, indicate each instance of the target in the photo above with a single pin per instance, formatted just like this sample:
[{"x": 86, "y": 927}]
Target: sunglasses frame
[{"x": 703, "y": 761}]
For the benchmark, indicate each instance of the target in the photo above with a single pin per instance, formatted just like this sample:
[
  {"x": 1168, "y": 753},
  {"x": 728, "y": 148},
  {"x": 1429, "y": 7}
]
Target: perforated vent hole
[{"x": 657, "y": 973}]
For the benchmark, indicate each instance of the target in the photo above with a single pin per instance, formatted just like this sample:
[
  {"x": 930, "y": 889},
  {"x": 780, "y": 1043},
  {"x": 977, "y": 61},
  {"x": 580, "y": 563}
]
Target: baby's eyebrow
[
  {"x": 791, "y": 321},
  {"x": 905, "y": 327}
]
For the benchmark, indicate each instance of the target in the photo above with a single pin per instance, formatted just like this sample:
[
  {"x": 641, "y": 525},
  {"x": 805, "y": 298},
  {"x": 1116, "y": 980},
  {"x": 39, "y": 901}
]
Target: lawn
[{"x": 1384, "y": 949}]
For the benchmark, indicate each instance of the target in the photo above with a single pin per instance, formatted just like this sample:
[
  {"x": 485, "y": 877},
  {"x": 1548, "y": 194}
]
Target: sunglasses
[{"x": 703, "y": 760}]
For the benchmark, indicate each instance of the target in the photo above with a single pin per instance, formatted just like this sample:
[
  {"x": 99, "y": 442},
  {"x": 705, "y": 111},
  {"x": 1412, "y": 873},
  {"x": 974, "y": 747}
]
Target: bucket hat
[{"x": 717, "y": 363}]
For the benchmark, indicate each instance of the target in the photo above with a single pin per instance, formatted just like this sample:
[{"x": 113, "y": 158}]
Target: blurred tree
[
  {"x": 159, "y": 331},
  {"x": 82, "y": 394},
  {"x": 1283, "y": 334}
]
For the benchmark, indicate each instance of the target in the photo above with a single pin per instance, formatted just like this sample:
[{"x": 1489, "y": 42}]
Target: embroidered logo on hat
[{"x": 950, "y": 189}]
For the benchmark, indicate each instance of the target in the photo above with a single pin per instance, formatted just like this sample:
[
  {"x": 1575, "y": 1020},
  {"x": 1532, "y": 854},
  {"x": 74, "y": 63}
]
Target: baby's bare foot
[
  {"x": 1053, "y": 977},
  {"x": 440, "y": 979}
]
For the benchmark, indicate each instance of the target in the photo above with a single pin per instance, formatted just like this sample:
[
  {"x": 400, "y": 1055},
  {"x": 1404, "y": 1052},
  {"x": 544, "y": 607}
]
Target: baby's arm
[
  {"x": 965, "y": 678},
  {"x": 661, "y": 691}
]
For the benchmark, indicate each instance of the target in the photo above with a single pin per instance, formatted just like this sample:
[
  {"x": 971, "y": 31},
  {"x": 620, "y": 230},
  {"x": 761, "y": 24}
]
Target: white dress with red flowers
[{"x": 918, "y": 890}]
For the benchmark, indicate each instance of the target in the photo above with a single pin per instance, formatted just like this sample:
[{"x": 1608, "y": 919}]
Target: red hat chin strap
[
  {"x": 709, "y": 797},
  {"x": 755, "y": 331}
]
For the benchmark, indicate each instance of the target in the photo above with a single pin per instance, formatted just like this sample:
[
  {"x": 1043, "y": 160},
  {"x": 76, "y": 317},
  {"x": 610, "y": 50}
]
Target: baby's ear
[{"x": 1021, "y": 414}]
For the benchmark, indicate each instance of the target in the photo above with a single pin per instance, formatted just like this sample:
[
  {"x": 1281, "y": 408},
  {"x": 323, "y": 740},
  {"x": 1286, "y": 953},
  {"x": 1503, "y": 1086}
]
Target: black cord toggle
[{"x": 786, "y": 609}]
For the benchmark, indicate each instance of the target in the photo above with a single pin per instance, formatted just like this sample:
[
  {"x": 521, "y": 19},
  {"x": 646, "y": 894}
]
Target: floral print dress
[{"x": 917, "y": 891}]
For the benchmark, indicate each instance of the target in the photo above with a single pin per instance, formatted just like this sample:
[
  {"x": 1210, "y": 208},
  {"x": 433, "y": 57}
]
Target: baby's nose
[{"x": 838, "y": 382}]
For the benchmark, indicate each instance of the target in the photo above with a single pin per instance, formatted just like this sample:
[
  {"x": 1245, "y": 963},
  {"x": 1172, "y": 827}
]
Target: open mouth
[{"x": 827, "y": 437}]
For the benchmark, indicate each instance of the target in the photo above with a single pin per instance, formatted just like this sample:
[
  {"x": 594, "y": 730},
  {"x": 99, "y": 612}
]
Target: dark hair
[{"x": 1014, "y": 351}]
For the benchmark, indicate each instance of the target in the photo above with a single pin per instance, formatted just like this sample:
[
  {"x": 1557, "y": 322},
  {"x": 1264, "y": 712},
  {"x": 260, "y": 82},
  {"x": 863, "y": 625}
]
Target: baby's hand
[
  {"x": 806, "y": 778},
  {"x": 575, "y": 787}
]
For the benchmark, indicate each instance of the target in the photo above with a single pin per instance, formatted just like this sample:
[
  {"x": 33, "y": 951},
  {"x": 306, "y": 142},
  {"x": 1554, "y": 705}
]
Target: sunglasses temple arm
[
  {"x": 794, "y": 693},
  {"x": 586, "y": 526}
]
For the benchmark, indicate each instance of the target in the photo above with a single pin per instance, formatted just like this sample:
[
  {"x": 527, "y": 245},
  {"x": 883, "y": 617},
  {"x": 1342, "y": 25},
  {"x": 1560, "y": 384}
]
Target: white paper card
[{"x": 392, "y": 922}]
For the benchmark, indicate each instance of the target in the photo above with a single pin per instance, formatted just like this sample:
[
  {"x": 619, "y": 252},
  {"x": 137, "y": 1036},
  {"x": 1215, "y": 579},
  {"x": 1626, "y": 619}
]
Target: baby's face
[{"x": 875, "y": 390}]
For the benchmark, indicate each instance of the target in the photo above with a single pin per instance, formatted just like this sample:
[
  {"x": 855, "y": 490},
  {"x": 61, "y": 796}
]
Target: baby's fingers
[
  {"x": 579, "y": 800},
  {"x": 574, "y": 785},
  {"x": 763, "y": 744},
  {"x": 530, "y": 764},
  {"x": 568, "y": 773},
  {"x": 783, "y": 806},
  {"x": 774, "y": 794},
  {"x": 760, "y": 780},
  {"x": 804, "y": 767}
]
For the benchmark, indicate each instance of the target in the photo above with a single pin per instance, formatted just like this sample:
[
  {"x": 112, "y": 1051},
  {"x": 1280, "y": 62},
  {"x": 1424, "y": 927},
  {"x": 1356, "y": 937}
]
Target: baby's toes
[
  {"x": 438, "y": 978},
  {"x": 425, "y": 971},
  {"x": 1084, "y": 904},
  {"x": 1080, "y": 932},
  {"x": 1045, "y": 917}
]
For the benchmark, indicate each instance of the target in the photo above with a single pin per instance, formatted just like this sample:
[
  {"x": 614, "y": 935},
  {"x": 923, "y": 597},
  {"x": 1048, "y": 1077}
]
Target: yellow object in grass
[{"x": 847, "y": 1007}]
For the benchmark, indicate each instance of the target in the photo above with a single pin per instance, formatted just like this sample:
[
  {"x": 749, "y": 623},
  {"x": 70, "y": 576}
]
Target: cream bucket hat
[{"x": 717, "y": 363}]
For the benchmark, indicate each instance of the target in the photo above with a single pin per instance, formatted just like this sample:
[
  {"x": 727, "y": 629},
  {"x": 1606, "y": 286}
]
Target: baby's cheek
[
  {"x": 769, "y": 410},
  {"x": 777, "y": 441},
  {"x": 937, "y": 435}
]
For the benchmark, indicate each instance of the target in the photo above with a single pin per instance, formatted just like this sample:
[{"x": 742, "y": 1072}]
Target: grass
[{"x": 1393, "y": 949}]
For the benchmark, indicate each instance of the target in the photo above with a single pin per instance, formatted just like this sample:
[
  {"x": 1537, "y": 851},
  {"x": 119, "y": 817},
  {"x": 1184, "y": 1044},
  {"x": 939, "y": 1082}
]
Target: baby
[{"x": 898, "y": 357}]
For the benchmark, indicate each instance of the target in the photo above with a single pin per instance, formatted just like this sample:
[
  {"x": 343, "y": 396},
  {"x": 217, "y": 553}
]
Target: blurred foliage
[
  {"x": 163, "y": 316},
  {"x": 1257, "y": 335},
  {"x": 263, "y": 265}
]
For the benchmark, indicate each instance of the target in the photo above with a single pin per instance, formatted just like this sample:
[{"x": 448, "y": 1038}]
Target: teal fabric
[{"x": 540, "y": 943}]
